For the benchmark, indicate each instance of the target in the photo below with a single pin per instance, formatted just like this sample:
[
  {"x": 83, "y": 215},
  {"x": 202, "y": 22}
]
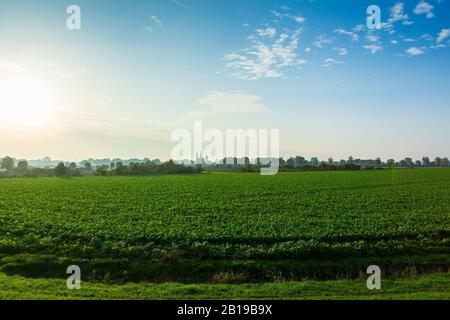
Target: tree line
[
  {"x": 22, "y": 169},
  {"x": 9, "y": 168},
  {"x": 301, "y": 163}
]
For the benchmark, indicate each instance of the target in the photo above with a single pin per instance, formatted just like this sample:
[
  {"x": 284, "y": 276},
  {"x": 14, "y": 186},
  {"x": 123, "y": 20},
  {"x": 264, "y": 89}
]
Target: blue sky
[{"x": 138, "y": 70}]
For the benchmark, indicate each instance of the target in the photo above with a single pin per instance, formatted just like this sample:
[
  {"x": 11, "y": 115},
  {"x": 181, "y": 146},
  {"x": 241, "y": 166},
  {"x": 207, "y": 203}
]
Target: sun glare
[{"x": 26, "y": 102}]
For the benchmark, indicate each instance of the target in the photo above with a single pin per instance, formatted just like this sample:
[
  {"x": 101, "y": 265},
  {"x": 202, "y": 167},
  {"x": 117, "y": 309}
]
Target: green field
[{"x": 227, "y": 228}]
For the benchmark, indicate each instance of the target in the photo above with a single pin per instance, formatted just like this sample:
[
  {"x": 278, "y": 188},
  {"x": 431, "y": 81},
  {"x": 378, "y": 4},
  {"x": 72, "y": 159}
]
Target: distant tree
[
  {"x": 438, "y": 161},
  {"x": 102, "y": 170},
  {"x": 378, "y": 162},
  {"x": 300, "y": 161},
  {"x": 112, "y": 165},
  {"x": 60, "y": 170},
  {"x": 418, "y": 163},
  {"x": 391, "y": 163},
  {"x": 445, "y": 162},
  {"x": 72, "y": 165},
  {"x": 403, "y": 163},
  {"x": 314, "y": 161},
  {"x": 330, "y": 161},
  {"x": 290, "y": 162},
  {"x": 426, "y": 161},
  {"x": 22, "y": 165},
  {"x": 350, "y": 160},
  {"x": 7, "y": 163},
  {"x": 87, "y": 166},
  {"x": 409, "y": 162}
]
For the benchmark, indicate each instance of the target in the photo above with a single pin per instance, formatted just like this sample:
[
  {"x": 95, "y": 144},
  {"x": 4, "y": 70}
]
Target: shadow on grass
[{"x": 218, "y": 271}]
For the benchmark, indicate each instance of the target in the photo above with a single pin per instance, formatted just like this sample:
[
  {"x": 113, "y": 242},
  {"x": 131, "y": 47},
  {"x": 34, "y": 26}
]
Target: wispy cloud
[
  {"x": 110, "y": 127},
  {"x": 282, "y": 15},
  {"x": 154, "y": 22},
  {"x": 331, "y": 62},
  {"x": 444, "y": 34},
  {"x": 219, "y": 102},
  {"x": 425, "y": 8},
  {"x": 397, "y": 13},
  {"x": 267, "y": 32},
  {"x": 267, "y": 57},
  {"x": 352, "y": 34},
  {"x": 341, "y": 51},
  {"x": 178, "y": 2},
  {"x": 373, "y": 48},
  {"x": 233, "y": 102},
  {"x": 372, "y": 38},
  {"x": 414, "y": 51},
  {"x": 322, "y": 40}
]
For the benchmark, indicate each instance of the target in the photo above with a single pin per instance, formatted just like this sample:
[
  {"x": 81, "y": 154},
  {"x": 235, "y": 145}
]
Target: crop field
[{"x": 227, "y": 228}]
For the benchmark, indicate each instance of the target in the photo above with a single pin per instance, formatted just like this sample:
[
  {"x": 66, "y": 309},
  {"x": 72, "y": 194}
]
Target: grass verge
[{"x": 427, "y": 287}]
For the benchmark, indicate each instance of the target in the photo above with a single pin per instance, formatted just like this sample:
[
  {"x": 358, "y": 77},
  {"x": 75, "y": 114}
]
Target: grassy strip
[{"x": 420, "y": 287}]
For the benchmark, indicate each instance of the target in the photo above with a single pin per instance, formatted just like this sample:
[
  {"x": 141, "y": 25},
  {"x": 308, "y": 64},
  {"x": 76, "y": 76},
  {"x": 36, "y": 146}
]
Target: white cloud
[
  {"x": 341, "y": 51},
  {"x": 321, "y": 41},
  {"x": 267, "y": 32},
  {"x": 353, "y": 35},
  {"x": 414, "y": 51},
  {"x": 397, "y": 13},
  {"x": 181, "y": 4},
  {"x": 438, "y": 46},
  {"x": 232, "y": 102},
  {"x": 372, "y": 38},
  {"x": 282, "y": 15},
  {"x": 330, "y": 62},
  {"x": 154, "y": 22},
  {"x": 267, "y": 57},
  {"x": 374, "y": 48},
  {"x": 359, "y": 28},
  {"x": 426, "y": 37},
  {"x": 425, "y": 8},
  {"x": 444, "y": 34},
  {"x": 394, "y": 42},
  {"x": 299, "y": 19}
]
